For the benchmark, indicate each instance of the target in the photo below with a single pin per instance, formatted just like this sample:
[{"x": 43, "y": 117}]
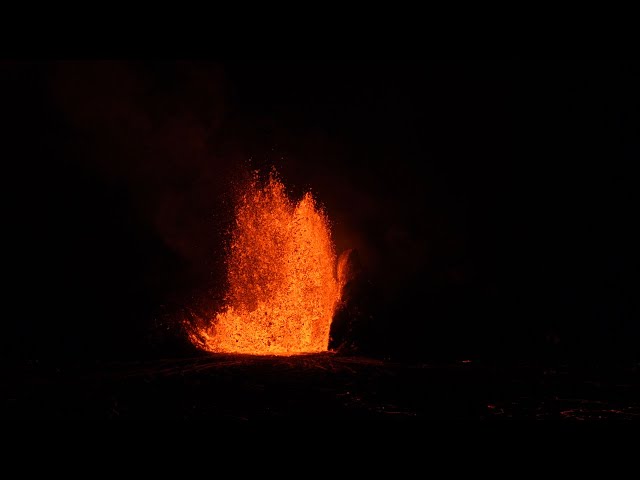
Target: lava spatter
[{"x": 281, "y": 271}]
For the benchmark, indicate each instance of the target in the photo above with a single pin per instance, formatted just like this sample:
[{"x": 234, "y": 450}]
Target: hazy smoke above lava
[{"x": 170, "y": 136}]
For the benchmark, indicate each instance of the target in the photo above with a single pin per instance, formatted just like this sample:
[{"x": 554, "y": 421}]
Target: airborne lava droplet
[{"x": 281, "y": 270}]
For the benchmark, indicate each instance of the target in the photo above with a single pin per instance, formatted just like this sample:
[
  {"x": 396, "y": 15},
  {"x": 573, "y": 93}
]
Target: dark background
[{"x": 493, "y": 207}]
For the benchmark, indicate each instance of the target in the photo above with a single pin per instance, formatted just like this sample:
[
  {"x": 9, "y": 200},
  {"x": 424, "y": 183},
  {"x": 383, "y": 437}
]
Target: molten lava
[{"x": 281, "y": 271}]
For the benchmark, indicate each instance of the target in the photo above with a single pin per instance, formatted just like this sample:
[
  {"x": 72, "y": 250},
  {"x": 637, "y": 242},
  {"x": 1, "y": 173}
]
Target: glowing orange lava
[{"x": 282, "y": 280}]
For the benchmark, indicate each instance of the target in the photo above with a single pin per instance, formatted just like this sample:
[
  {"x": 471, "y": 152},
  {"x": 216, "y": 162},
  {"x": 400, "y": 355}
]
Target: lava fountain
[{"x": 281, "y": 272}]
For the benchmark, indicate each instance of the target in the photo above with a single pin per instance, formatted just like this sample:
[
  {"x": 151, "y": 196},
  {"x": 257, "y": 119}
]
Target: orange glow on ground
[{"x": 282, "y": 281}]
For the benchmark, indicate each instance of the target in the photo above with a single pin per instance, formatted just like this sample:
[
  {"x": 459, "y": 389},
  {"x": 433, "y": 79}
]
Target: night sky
[{"x": 493, "y": 207}]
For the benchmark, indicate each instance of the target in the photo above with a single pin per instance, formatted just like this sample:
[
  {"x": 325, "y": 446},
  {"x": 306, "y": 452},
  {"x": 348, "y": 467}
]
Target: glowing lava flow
[{"x": 281, "y": 273}]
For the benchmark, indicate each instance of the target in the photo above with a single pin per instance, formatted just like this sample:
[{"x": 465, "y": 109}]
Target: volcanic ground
[{"x": 223, "y": 389}]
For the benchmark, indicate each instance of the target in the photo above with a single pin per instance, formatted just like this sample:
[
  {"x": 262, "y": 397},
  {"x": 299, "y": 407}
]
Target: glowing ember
[{"x": 282, "y": 281}]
